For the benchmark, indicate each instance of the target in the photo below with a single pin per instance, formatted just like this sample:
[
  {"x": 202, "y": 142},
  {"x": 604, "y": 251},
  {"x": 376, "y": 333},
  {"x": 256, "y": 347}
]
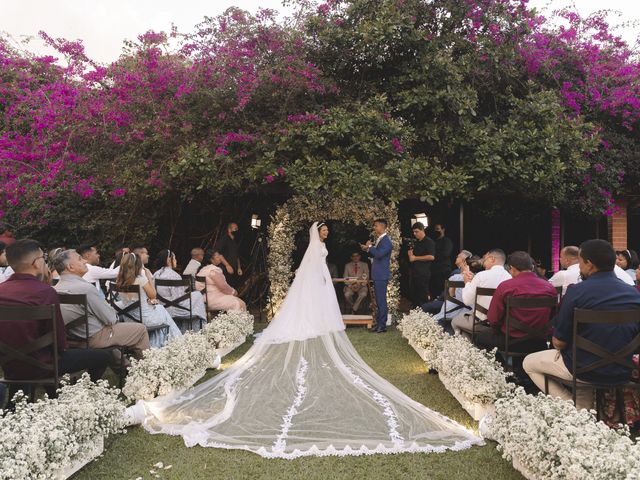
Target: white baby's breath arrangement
[
  {"x": 43, "y": 437},
  {"x": 553, "y": 440},
  {"x": 421, "y": 330},
  {"x": 229, "y": 328},
  {"x": 184, "y": 360},
  {"x": 177, "y": 365},
  {"x": 472, "y": 372},
  {"x": 299, "y": 212}
]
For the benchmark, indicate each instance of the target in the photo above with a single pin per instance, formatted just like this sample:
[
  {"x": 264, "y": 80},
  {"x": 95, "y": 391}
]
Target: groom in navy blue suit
[{"x": 380, "y": 270}]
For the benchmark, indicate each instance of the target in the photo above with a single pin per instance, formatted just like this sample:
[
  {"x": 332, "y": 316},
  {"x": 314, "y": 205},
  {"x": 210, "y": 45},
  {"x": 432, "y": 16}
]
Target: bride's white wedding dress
[{"x": 303, "y": 390}]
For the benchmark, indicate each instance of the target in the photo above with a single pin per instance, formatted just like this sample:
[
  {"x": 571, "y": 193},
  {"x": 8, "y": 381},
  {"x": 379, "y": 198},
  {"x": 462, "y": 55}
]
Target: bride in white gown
[{"x": 303, "y": 390}]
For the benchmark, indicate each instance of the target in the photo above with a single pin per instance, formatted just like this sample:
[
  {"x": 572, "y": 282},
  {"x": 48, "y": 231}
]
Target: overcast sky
[{"x": 103, "y": 25}]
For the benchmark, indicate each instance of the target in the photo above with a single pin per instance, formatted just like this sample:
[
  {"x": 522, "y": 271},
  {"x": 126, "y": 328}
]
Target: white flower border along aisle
[
  {"x": 184, "y": 360},
  {"x": 471, "y": 375},
  {"x": 54, "y": 438},
  {"x": 299, "y": 212},
  {"x": 544, "y": 437},
  {"x": 547, "y": 438}
]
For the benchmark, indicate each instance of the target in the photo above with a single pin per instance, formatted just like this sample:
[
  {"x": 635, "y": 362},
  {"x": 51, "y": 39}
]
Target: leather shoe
[{"x": 381, "y": 331}]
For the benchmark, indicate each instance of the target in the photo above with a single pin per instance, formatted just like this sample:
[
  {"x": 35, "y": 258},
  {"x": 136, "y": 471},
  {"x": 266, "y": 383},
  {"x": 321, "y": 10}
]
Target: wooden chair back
[
  {"x": 176, "y": 303},
  {"x": 540, "y": 332},
  {"x": 477, "y": 308},
  {"x": 126, "y": 312},
  {"x": 79, "y": 299},
  {"x": 41, "y": 314},
  {"x": 449, "y": 284}
]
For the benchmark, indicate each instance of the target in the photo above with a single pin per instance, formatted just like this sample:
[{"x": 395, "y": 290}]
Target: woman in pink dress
[{"x": 220, "y": 296}]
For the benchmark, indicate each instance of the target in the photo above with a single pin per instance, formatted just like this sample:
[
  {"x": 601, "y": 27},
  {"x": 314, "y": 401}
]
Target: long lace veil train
[{"x": 302, "y": 389}]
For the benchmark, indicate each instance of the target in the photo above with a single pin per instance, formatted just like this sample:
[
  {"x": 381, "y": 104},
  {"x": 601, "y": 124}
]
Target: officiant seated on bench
[{"x": 355, "y": 270}]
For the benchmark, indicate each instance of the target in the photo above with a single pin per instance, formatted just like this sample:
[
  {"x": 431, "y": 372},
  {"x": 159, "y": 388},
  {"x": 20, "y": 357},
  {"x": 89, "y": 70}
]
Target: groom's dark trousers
[{"x": 380, "y": 288}]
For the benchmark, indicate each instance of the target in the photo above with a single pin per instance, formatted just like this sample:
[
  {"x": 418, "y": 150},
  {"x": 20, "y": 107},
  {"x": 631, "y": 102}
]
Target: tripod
[{"x": 256, "y": 287}]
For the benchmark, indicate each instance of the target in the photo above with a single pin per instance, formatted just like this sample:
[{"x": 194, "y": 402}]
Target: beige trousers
[
  {"x": 132, "y": 335},
  {"x": 550, "y": 361},
  {"x": 349, "y": 293}
]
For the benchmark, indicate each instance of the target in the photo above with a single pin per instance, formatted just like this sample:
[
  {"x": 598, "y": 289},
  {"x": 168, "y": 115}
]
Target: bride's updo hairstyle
[{"x": 320, "y": 225}]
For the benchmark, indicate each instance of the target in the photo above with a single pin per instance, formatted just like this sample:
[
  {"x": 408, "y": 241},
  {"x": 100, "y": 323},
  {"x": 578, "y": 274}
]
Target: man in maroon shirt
[
  {"x": 525, "y": 283},
  {"x": 25, "y": 287}
]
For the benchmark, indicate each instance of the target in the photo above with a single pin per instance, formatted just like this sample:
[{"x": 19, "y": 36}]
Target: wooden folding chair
[
  {"x": 605, "y": 357},
  {"x": 45, "y": 317},
  {"x": 210, "y": 313},
  {"x": 539, "y": 333},
  {"x": 477, "y": 308},
  {"x": 449, "y": 284},
  {"x": 176, "y": 303},
  {"x": 81, "y": 300},
  {"x": 126, "y": 312}
]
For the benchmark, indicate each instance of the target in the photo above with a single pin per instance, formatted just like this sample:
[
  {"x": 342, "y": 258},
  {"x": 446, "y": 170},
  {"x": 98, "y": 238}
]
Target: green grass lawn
[{"x": 133, "y": 454}]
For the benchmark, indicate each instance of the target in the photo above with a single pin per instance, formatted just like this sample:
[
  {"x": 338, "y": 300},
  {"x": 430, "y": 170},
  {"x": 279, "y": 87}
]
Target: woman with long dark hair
[
  {"x": 132, "y": 272},
  {"x": 165, "y": 265}
]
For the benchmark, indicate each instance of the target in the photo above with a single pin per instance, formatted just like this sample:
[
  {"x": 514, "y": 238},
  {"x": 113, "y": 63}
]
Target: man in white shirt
[
  {"x": 622, "y": 275},
  {"x": 95, "y": 273},
  {"x": 197, "y": 255},
  {"x": 569, "y": 260},
  {"x": 570, "y": 276},
  {"x": 493, "y": 275}
]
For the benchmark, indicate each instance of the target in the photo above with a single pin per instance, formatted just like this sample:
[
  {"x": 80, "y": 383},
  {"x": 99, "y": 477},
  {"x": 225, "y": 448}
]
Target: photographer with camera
[{"x": 421, "y": 255}]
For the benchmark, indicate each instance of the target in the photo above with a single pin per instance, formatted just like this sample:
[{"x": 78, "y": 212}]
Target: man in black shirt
[
  {"x": 421, "y": 256},
  {"x": 228, "y": 247},
  {"x": 441, "y": 268}
]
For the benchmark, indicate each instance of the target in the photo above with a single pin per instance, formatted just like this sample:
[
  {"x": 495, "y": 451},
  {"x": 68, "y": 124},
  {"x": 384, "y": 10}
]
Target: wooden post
[{"x": 461, "y": 226}]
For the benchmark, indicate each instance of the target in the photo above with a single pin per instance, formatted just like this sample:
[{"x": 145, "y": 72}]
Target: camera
[{"x": 409, "y": 242}]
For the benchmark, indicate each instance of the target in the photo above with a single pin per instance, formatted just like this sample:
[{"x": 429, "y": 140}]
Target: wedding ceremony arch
[{"x": 299, "y": 212}]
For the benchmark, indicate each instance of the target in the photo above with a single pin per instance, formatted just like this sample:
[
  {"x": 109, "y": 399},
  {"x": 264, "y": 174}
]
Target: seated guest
[
  {"x": 5, "y": 270},
  {"x": 133, "y": 273},
  {"x": 143, "y": 253},
  {"x": 220, "y": 296},
  {"x": 600, "y": 290},
  {"x": 25, "y": 287},
  {"x": 104, "y": 329},
  {"x": 570, "y": 276},
  {"x": 50, "y": 256},
  {"x": 627, "y": 260},
  {"x": 6, "y": 234},
  {"x": 539, "y": 268},
  {"x": 493, "y": 275},
  {"x": 571, "y": 269},
  {"x": 356, "y": 269},
  {"x": 197, "y": 255},
  {"x": 166, "y": 263},
  {"x": 474, "y": 264},
  {"x": 525, "y": 283},
  {"x": 117, "y": 258},
  {"x": 623, "y": 275},
  {"x": 95, "y": 273},
  {"x": 436, "y": 305}
]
